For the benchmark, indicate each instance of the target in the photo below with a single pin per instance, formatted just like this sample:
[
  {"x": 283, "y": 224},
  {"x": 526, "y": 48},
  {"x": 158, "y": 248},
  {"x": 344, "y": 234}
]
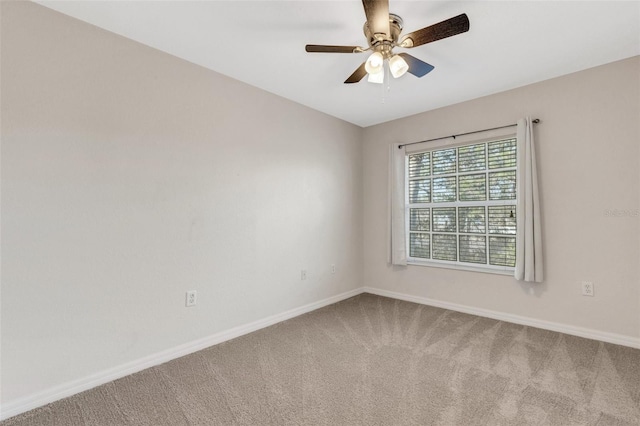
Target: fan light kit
[
  {"x": 382, "y": 30},
  {"x": 375, "y": 67}
]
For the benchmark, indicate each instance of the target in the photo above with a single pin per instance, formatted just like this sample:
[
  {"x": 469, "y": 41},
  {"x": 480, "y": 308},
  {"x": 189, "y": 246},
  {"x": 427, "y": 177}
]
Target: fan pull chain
[
  {"x": 386, "y": 83},
  {"x": 387, "y": 76}
]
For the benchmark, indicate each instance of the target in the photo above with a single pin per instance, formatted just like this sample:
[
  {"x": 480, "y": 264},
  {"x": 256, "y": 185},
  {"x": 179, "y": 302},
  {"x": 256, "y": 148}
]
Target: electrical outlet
[
  {"x": 303, "y": 274},
  {"x": 587, "y": 288},
  {"x": 191, "y": 298},
  {"x": 333, "y": 269}
]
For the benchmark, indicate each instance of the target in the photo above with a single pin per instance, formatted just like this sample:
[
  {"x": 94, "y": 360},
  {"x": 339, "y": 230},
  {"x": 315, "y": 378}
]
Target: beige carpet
[{"x": 374, "y": 361}]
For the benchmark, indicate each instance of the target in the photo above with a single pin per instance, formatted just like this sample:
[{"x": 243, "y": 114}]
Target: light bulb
[
  {"x": 374, "y": 63},
  {"x": 398, "y": 66}
]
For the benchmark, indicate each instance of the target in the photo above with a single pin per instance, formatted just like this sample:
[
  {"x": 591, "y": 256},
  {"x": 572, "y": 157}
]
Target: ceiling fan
[{"x": 382, "y": 30}]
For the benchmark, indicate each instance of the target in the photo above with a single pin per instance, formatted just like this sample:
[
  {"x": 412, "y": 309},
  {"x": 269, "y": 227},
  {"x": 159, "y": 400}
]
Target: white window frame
[{"x": 475, "y": 267}]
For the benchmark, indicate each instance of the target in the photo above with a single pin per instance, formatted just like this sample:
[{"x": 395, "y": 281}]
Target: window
[{"x": 461, "y": 206}]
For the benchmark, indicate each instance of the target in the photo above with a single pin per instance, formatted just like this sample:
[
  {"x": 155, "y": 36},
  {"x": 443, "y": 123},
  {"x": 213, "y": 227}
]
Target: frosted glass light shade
[
  {"x": 374, "y": 63},
  {"x": 377, "y": 78},
  {"x": 398, "y": 66}
]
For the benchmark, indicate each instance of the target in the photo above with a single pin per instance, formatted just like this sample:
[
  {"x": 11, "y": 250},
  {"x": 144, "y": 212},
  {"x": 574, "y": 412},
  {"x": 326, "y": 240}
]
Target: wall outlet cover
[
  {"x": 587, "y": 288},
  {"x": 191, "y": 298}
]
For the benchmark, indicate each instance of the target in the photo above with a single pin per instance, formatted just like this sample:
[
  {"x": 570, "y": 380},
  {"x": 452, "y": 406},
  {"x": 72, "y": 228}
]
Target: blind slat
[
  {"x": 473, "y": 249},
  {"x": 472, "y": 220},
  {"x": 420, "y": 165},
  {"x": 444, "y": 161},
  {"x": 445, "y": 247},
  {"x": 472, "y": 158},
  {"x": 473, "y": 187}
]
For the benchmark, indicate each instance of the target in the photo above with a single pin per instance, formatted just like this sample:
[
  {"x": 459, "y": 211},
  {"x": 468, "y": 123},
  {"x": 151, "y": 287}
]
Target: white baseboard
[
  {"x": 13, "y": 408},
  {"x": 617, "y": 339}
]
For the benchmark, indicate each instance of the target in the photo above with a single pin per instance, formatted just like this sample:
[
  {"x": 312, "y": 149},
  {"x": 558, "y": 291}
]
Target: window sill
[{"x": 468, "y": 268}]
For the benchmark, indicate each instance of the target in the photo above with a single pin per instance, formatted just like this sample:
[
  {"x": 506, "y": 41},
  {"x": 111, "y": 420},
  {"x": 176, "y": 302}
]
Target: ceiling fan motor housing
[{"x": 382, "y": 42}]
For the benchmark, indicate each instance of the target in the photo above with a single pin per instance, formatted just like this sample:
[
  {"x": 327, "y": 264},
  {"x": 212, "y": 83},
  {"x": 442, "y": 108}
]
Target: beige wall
[
  {"x": 130, "y": 176},
  {"x": 588, "y": 160}
]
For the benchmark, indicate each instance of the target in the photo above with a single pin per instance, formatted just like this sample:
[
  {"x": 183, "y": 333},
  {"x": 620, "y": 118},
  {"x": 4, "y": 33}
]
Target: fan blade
[
  {"x": 377, "y": 12},
  {"x": 450, "y": 27},
  {"x": 319, "y": 48},
  {"x": 416, "y": 66},
  {"x": 357, "y": 75}
]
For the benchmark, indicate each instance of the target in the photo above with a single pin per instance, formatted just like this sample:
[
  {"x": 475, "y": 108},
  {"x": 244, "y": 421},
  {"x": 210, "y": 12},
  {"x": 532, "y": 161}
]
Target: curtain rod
[{"x": 535, "y": 121}]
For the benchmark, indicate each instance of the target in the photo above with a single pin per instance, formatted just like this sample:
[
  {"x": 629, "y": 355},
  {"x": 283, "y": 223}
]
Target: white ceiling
[{"x": 509, "y": 44}]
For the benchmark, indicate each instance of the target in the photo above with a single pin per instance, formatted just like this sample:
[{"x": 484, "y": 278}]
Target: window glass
[{"x": 462, "y": 205}]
